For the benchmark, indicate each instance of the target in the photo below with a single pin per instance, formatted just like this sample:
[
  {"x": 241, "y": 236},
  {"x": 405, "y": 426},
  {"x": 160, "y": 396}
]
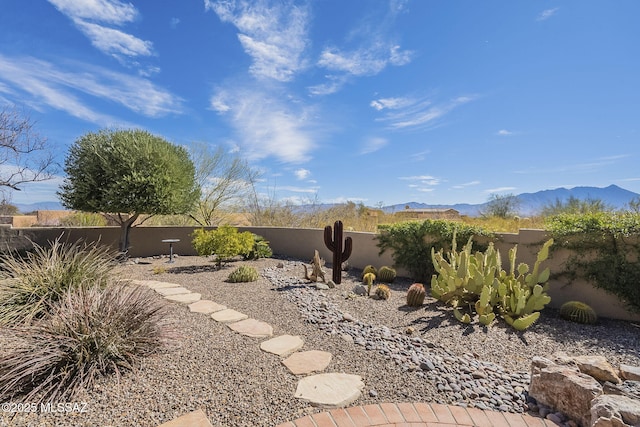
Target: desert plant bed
[{"x": 210, "y": 367}]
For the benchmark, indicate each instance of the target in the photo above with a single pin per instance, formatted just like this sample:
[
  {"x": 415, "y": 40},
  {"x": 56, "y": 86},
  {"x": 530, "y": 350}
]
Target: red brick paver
[{"x": 417, "y": 414}]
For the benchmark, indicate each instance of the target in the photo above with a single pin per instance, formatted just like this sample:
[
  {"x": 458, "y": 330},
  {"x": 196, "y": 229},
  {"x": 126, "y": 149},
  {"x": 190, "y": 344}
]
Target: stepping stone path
[{"x": 330, "y": 390}]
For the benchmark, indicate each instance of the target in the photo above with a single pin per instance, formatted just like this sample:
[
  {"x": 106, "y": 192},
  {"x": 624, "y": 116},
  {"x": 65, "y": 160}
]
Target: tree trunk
[{"x": 125, "y": 228}]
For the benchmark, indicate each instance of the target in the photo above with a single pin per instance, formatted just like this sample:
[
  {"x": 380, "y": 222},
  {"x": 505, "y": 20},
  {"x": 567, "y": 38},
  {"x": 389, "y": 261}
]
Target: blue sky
[{"x": 379, "y": 101}]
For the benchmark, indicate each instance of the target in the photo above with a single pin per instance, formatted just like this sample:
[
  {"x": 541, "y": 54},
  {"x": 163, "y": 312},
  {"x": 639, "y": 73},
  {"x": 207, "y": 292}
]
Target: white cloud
[
  {"x": 299, "y": 189},
  {"x": 302, "y": 173},
  {"x": 90, "y": 17},
  {"x": 62, "y": 89},
  {"x": 265, "y": 125},
  {"x": 173, "y": 23},
  {"x": 504, "y": 132},
  {"x": 108, "y": 11},
  {"x": 274, "y": 35},
  {"x": 417, "y": 178},
  {"x": 546, "y": 14},
  {"x": 113, "y": 41},
  {"x": 499, "y": 189},
  {"x": 365, "y": 61},
  {"x": 422, "y": 183},
  {"x": 334, "y": 84},
  {"x": 410, "y": 113},
  {"x": 342, "y": 199},
  {"x": 373, "y": 144},
  {"x": 466, "y": 184}
]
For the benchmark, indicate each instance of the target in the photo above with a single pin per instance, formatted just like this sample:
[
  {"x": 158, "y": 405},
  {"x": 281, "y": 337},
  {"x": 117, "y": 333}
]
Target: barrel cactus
[
  {"x": 415, "y": 295},
  {"x": 578, "y": 312},
  {"x": 243, "y": 273},
  {"x": 383, "y": 292},
  {"x": 369, "y": 269},
  {"x": 386, "y": 274}
]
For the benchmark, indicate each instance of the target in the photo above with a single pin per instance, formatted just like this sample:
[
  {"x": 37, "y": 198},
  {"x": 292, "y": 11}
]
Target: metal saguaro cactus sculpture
[{"x": 333, "y": 241}]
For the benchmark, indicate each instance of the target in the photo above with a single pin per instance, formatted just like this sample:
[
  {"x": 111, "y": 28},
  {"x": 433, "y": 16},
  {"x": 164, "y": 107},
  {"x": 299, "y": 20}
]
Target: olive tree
[{"x": 126, "y": 173}]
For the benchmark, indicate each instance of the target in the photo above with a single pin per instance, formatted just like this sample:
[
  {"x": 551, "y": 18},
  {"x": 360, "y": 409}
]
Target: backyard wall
[{"x": 301, "y": 243}]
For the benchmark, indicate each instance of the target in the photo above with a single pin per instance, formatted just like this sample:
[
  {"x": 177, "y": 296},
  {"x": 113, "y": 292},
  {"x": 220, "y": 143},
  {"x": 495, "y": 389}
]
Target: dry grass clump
[
  {"x": 90, "y": 332},
  {"x": 30, "y": 285}
]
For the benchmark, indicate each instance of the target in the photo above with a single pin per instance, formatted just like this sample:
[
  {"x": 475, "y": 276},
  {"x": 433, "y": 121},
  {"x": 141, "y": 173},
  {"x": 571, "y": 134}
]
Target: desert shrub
[
  {"x": 260, "y": 249},
  {"x": 91, "y": 332},
  {"x": 84, "y": 219},
  {"x": 244, "y": 273},
  {"x": 605, "y": 249},
  {"x": 224, "y": 243},
  {"x": 411, "y": 242},
  {"x": 30, "y": 284}
]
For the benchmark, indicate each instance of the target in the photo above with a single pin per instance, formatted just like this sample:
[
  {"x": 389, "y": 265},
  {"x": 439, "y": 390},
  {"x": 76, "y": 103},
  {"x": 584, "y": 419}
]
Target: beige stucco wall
[{"x": 301, "y": 243}]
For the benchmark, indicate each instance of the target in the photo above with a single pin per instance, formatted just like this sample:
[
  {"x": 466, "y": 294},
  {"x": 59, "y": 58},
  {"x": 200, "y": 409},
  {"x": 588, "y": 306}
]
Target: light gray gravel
[{"x": 236, "y": 384}]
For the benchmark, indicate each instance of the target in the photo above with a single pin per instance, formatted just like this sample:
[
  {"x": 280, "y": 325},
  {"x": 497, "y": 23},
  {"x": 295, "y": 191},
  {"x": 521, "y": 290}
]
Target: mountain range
[
  {"x": 532, "y": 203},
  {"x": 529, "y": 203}
]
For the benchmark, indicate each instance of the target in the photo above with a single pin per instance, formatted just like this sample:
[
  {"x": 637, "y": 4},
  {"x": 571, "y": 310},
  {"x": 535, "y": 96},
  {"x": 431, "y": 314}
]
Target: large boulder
[
  {"x": 615, "y": 411},
  {"x": 564, "y": 388}
]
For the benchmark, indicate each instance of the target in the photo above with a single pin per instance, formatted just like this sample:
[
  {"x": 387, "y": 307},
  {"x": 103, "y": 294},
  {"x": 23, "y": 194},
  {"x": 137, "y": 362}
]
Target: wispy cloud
[
  {"x": 173, "y": 23},
  {"x": 465, "y": 185},
  {"x": 591, "y": 166},
  {"x": 420, "y": 156},
  {"x": 499, "y": 189},
  {"x": 62, "y": 89},
  {"x": 410, "y": 112},
  {"x": 91, "y": 17},
  {"x": 273, "y": 34},
  {"x": 370, "y": 48},
  {"x": 422, "y": 183},
  {"x": 302, "y": 173},
  {"x": 299, "y": 189},
  {"x": 266, "y": 125},
  {"x": 546, "y": 14},
  {"x": 504, "y": 132},
  {"x": 373, "y": 144}
]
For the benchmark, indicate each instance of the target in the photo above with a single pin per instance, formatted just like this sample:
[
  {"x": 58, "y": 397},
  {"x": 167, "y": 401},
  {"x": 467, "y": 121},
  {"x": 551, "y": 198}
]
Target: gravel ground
[{"x": 209, "y": 367}]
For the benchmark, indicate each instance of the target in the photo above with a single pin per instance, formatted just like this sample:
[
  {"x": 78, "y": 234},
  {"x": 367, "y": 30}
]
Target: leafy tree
[
  {"x": 224, "y": 179},
  {"x": 24, "y": 155},
  {"x": 574, "y": 205},
  {"x": 126, "y": 173},
  {"x": 502, "y": 206}
]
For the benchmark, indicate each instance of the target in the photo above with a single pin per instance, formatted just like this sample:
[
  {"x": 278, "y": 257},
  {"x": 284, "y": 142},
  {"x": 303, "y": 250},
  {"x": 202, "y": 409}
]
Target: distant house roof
[{"x": 430, "y": 210}]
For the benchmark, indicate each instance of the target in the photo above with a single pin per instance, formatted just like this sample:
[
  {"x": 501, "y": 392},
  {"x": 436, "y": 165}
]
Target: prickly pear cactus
[
  {"x": 416, "y": 295},
  {"x": 386, "y": 274}
]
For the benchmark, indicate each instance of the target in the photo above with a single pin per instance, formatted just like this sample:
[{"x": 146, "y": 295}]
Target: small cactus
[
  {"x": 368, "y": 280},
  {"x": 386, "y": 274},
  {"x": 578, "y": 312},
  {"x": 383, "y": 292},
  {"x": 243, "y": 273},
  {"x": 415, "y": 295},
  {"x": 369, "y": 269}
]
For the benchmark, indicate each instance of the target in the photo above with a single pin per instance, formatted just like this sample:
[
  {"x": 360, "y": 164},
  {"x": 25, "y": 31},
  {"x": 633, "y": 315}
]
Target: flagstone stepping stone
[
  {"x": 192, "y": 419},
  {"x": 252, "y": 328},
  {"x": 173, "y": 291},
  {"x": 228, "y": 315},
  {"x": 334, "y": 390},
  {"x": 306, "y": 362},
  {"x": 206, "y": 306},
  {"x": 282, "y": 345},
  {"x": 185, "y": 298},
  {"x": 154, "y": 284}
]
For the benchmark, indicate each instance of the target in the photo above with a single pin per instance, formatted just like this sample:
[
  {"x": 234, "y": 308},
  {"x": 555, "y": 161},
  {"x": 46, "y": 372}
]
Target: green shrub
[
  {"x": 91, "y": 332},
  {"x": 30, "y": 284},
  {"x": 411, "y": 242},
  {"x": 605, "y": 250},
  {"x": 224, "y": 243},
  {"x": 84, "y": 219},
  {"x": 243, "y": 273},
  {"x": 261, "y": 248}
]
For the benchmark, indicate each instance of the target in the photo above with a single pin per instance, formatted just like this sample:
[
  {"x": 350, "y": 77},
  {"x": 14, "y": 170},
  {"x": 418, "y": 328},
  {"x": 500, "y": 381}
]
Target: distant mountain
[
  {"x": 532, "y": 203},
  {"x": 39, "y": 206}
]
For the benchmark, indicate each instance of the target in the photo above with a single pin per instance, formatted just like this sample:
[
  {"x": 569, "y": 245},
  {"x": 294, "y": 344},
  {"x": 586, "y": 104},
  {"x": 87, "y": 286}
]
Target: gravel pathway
[{"x": 212, "y": 368}]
